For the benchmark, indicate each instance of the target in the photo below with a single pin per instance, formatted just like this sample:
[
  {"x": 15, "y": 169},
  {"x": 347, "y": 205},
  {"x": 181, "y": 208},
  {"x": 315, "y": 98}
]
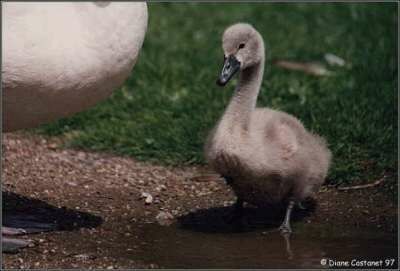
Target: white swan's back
[{"x": 60, "y": 58}]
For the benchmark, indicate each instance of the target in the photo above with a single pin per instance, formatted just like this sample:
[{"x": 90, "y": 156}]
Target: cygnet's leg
[
  {"x": 285, "y": 227},
  {"x": 12, "y": 244},
  {"x": 237, "y": 214}
]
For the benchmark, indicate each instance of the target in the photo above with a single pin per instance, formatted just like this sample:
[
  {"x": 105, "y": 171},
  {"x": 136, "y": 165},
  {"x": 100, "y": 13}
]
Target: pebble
[
  {"x": 84, "y": 257},
  {"x": 164, "y": 218},
  {"x": 148, "y": 197},
  {"x": 175, "y": 212},
  {"x": 161, "y": 188}
]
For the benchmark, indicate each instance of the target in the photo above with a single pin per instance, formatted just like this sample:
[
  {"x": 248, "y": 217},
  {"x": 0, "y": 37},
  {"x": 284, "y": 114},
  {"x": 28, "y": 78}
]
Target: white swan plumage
[{"x": 61, "y": 58}]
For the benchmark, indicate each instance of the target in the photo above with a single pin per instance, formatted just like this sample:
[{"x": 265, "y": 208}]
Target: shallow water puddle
[
  {"x": 175, "y": 246},
  {"x": 203, "y": 239}
]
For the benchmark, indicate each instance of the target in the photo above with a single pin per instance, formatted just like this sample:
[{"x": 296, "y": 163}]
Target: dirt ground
[{"x": 97, "y": 198}]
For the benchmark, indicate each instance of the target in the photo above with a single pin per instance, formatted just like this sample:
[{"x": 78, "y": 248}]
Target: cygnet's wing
[{"x": 283, "y": 139}]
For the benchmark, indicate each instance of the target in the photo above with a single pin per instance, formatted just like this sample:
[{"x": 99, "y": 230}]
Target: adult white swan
[{"x": 61, "y": 58}]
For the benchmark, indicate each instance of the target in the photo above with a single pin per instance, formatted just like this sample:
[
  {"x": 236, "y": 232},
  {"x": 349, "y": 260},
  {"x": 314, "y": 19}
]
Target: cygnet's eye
[{"x": 241, "y": 45}]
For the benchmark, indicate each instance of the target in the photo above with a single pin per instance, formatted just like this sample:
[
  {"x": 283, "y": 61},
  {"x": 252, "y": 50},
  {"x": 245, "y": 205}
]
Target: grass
[{"x": 167, "y": 106}]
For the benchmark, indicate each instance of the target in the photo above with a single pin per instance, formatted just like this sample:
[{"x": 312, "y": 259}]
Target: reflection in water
[
  {"x": 204, "y": 241},
  {"x": 286, "y": 237},
  {"x": 174, "y": 247}
]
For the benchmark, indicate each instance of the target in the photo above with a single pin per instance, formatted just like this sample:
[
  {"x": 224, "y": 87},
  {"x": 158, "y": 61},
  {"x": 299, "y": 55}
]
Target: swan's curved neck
[{"x": 244, "y": 99}]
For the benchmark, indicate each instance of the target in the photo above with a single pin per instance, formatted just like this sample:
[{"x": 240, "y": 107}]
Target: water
[
  {"x": 205, "y": 240},
  {"x": 213, "y": 244}
]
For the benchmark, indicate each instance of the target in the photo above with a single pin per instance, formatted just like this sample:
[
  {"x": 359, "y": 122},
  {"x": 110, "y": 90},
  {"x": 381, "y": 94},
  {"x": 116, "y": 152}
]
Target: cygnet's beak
[{"x": 231, "y": 66}]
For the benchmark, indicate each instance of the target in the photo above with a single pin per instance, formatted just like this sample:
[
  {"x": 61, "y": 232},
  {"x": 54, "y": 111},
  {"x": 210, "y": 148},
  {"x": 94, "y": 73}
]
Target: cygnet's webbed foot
[
  {"x": 12, "y": 245},
  {"x": 285, "y": 226}
]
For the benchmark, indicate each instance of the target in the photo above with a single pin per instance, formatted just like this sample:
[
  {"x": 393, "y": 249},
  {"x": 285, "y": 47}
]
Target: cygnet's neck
[{"x": 244, "y": 99}]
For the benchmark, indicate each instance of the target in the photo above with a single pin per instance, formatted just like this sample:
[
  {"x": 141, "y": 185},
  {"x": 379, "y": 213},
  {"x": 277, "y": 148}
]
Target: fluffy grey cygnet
[{"x": 267, "y": 155}]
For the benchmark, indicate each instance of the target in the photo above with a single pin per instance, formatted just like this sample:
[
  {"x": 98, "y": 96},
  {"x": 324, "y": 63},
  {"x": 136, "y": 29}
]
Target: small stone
[
  {"x": 148, "y": 198},
  {"x": 31, "y": 244},
  {"x": 165, "y": 218},
  {"x": 84, "y": 257},
  {"x": 175, "y": 212}
]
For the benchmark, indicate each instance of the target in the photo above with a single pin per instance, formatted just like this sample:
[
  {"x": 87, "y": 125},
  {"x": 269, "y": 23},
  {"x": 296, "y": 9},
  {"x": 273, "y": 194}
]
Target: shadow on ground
[
  {"x": 35, "y": 215},
  {"x": 216, "y": 220}
]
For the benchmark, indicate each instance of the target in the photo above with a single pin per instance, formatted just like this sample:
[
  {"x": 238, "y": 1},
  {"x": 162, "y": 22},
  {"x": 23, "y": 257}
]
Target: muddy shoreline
[{"x": 99, "y": 200}]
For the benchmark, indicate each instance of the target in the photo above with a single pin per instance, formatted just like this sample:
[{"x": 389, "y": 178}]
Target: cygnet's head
[{"x": 243, "y": 47}]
